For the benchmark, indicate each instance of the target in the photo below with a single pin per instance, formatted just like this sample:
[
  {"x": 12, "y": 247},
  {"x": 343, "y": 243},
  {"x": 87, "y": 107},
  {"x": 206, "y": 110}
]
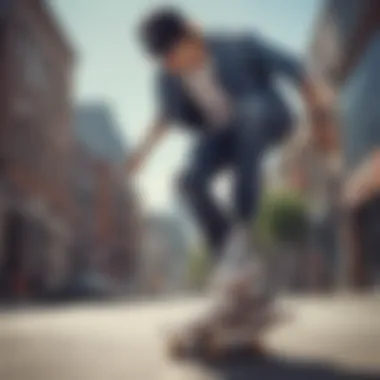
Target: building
[
  {"x": 107, "y": 224},
  {"x": 36, "y": 64},
  {"x": 346, "y": 51},
  {"x": 341, "y": 33},
  {"x": 275, "y": 178},
  {"x": 165, "y": 255}
]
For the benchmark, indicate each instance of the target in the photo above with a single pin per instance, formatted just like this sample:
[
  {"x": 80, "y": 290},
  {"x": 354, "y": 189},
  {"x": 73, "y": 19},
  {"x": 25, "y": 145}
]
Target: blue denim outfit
[{"x": 246, "y": 67}]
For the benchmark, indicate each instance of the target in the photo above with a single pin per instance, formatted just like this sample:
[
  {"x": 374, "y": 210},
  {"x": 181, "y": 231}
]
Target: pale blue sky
[{"x": 111, "y": 66}]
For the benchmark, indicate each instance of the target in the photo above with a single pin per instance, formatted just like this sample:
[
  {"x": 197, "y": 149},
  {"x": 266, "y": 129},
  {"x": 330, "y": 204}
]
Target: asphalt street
[{"x": 325, "y": 338}]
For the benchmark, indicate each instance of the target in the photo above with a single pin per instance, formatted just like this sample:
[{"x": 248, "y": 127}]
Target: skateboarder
[{"x": 221, "y": 87}]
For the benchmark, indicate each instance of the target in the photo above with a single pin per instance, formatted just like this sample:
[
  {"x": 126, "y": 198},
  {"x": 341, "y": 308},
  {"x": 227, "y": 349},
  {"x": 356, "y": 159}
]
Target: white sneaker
[{"x": 234, "y": 266}]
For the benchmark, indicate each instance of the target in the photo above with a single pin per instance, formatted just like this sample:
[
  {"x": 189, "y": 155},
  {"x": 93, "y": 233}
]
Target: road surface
[{"x": 326, "y": 339}]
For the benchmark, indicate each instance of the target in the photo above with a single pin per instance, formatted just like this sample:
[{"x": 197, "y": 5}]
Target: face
[{"x": 189, "y": 54}]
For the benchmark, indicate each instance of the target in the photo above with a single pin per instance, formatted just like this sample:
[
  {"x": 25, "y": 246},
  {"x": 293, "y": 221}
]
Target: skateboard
[
  {"x": 216, "y": 345},
  {"x": 214, "y": 339},
  {"x": 237, "y": 322}
]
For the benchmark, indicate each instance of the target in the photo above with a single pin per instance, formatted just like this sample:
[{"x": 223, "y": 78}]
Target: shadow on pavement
[{"x": 244, "y": 367}]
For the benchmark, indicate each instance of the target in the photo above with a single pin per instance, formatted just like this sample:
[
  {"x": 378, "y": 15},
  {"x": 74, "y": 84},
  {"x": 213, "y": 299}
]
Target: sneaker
[{"x": 235, "y": 267}]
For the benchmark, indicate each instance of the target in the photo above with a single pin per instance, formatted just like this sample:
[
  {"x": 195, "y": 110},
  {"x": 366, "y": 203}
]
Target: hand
[
  {"x": 324, "y": 129},
  {"x": 156, "y": 132},
  {"x": 364, "y": 181}
]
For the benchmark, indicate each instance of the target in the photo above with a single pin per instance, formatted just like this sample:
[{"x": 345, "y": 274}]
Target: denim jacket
[{"x": 245, "y": 65}]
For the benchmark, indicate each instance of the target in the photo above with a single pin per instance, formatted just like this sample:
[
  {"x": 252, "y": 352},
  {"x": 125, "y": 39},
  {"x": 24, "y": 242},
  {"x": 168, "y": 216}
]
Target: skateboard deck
[
  {"x": 218, "y": 345},
  {"x": 214, "y": 342}
]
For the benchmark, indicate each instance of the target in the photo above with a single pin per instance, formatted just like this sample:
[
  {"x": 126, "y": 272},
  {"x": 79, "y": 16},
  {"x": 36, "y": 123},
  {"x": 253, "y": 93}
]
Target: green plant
[
  {"x": 282, "y": 218},
  {"x": 198, "y": 266}
]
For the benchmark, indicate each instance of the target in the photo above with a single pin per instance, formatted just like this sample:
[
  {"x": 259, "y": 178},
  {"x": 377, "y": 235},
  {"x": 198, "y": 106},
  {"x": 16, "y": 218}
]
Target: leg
[
  {"x": 256, "y": 128},
  {"x": 212, "y": 154},
  {"x": 260, "y": 125}
]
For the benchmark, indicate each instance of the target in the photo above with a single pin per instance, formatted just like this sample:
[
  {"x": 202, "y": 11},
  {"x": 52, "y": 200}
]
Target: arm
[
  {"x": 314, "y": 92},
  {"x": 274, "y": 59},
  {"x": 317, "y": 98},
  {"x": 298, "y": 159},
  {"x": 319, "y": 103},
  {"x": 154, "y": 135}
]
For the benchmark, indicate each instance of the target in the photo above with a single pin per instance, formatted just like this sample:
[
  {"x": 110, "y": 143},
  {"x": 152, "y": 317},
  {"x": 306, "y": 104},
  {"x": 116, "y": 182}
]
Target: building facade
[
  {"x": 36, "y": 64},
  {"x": 107, "y": 224},
  {"x": 341, "y": 34},
  {"x": 346, "y": 51},
  {"x": 165, "y": 255}
]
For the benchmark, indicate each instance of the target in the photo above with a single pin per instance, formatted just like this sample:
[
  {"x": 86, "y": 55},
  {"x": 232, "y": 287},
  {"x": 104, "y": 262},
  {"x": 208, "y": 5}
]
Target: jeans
[{"x": 240, "y": 146}]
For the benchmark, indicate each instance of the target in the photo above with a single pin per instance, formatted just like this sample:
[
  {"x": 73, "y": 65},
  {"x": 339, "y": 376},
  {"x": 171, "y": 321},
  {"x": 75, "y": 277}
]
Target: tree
[
  {"x": 283, "y": 219},
  {"x": 198, "y": 267},
  {"x": 282, "y": 229}
]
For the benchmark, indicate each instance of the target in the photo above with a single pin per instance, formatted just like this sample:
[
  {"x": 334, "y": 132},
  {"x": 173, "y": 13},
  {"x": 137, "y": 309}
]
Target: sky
[{"x": 110, "y": 65}]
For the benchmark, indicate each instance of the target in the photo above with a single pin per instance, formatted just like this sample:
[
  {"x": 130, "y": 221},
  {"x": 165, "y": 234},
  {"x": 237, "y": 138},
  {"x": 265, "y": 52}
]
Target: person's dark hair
[{"x": 162, "y": 29}]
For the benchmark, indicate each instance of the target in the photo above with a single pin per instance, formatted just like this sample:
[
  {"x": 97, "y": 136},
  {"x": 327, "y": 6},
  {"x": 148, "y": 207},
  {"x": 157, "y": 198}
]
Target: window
[{"x": 38, "y": 76}]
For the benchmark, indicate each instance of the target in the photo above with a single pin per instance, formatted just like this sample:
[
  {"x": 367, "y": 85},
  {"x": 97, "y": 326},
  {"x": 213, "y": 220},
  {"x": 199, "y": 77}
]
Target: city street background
[{"x": 97, "y": 266}]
